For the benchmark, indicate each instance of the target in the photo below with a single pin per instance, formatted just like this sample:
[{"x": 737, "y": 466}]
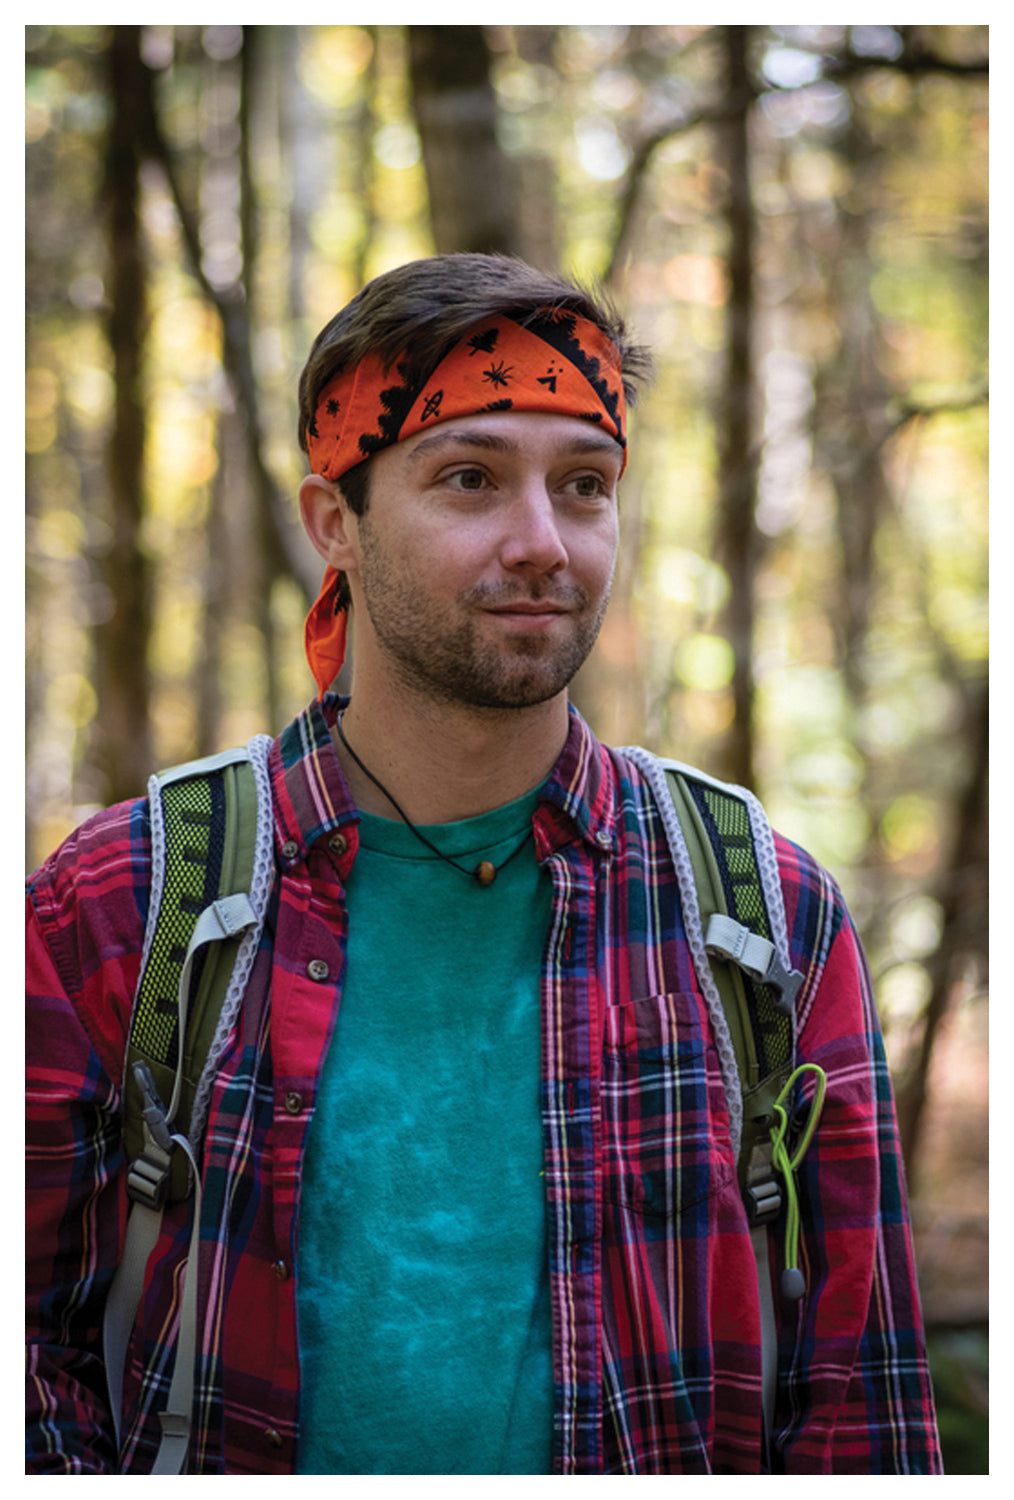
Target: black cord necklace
[{"x": 484, "y": 873}]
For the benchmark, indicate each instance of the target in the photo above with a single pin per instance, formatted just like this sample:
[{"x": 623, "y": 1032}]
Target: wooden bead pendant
[{"x": 485, "y": 871}]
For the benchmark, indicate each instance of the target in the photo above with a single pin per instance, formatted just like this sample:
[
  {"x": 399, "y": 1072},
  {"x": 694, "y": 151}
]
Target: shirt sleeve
[
  {"x": 854, "y": 1387},
  {"x": 82, "y": 954}
]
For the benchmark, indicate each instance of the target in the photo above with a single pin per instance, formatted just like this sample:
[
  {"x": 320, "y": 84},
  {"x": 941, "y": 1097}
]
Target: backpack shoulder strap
[
  {"x": 734, "y": 912},
  {"x": 210, "y": 877},
  {"x": 742, "y": 914},
  {"x": 203, "y": 838}
]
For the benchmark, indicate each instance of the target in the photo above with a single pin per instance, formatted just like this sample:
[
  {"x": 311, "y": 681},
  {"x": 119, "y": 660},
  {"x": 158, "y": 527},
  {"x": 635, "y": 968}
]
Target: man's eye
[
  {"x": 467, "y": 479},
  {"x": 587, "y": 486}
]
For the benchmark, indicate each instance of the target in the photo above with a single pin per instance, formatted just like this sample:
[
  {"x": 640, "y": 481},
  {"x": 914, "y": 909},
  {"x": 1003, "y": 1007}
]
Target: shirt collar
[
  {"x": 583, "y": 787},
  {"x": 312, "y": 797}
]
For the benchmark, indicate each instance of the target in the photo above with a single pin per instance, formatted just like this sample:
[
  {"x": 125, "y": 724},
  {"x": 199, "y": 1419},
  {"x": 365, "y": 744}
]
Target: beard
[{"x": 440, "y": 649}]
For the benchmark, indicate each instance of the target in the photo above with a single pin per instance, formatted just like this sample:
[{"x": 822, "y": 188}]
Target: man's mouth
[{"x": 533, "y": 607}]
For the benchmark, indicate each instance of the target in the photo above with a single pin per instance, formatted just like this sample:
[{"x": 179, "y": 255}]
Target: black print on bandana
[
  {"x": 498, "y": 375},
  {"x": 558, "y": 330},
  {"x": 333, "y": 407},
  {"x": 432, "y": 407},
  {"x": 550, "y": 378},
  {"x": 396, "y": 401},
  {"x": 483, "y": 343}
]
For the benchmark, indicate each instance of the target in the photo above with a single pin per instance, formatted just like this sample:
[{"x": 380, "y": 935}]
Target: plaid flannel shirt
[{"x": 656, "y": 1330}]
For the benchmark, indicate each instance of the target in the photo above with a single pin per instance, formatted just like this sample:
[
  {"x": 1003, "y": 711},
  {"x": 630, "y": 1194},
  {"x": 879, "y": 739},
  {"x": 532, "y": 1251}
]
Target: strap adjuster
[
  {"x": 148, "y": 1178},
  {"x": 728, "y": 939},
  {"x": 763, "y": 1202}
]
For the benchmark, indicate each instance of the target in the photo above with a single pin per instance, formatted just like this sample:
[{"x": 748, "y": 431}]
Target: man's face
[{"x": 484, "y": 560}]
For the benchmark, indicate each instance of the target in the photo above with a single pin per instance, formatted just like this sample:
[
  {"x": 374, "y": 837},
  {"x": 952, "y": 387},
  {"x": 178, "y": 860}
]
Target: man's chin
[
  {"x": 507, "y": 688},
  {"x": 512, "y": 698},
  {"x": 531, "y": 677}
]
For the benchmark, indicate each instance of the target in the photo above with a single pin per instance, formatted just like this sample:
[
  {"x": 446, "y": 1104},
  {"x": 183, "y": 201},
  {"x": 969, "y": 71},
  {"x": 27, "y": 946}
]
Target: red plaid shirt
[{"x": 656, "y": 1331}]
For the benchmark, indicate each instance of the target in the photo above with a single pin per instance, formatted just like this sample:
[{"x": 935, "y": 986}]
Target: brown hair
[{"x": 427, "y": 306}]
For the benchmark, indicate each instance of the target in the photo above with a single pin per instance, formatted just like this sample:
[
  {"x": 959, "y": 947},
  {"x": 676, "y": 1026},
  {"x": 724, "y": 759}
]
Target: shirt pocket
[{"x": 666, "y": 1142}]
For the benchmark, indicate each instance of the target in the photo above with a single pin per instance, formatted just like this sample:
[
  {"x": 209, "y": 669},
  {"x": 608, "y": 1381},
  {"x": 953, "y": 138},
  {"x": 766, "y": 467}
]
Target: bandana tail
[{"x": 325, "y": 633}]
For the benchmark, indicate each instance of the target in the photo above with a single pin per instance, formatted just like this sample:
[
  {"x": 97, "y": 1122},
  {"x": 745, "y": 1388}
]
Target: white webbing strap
[
  {"x": 769, "y": 1329},
  {"x": 176, "y": 1419},
  {"x": 225, "y": 918},
  {"x": 143, "y": 1227},
  {"x": 728, "y": 939}
]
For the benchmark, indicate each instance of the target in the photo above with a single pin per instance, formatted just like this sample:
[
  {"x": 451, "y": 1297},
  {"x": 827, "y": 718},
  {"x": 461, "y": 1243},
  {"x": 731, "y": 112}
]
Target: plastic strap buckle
[
  {"x": 758, "y": 958},
  {"x": 148, "y": 1178},
  {"x": 763, "y": 1202}
]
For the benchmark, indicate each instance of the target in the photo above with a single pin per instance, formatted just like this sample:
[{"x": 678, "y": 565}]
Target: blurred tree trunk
[
  {"x": 302, "y": 162},
  {"x": 362, "y": 133},
  {"x": 276, "y": 534},
  {"x": 472, "y": 190},
  {"x": 963, "y": 894},
  {"x": 122, "y": 640},
  {"x": 214, "y": 607},
  {"x": 737, "y": 540},
  {"x": 536, "y": 186},
  {"x": 238, "y": 362},
  {"x": 851, "y": 416},
  {"x": 268, "y": 566}
]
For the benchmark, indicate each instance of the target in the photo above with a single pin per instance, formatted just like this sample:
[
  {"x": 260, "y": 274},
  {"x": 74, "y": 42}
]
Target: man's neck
[{"x": 443, "y": 763}]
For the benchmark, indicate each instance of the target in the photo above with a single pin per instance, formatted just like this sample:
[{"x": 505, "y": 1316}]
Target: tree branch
[
  {"x": 915, "y": 61},
  {"x": 730, "y": 108},
  {"x": 919, "y": 411},
  {"x": 238, "y": 361}
]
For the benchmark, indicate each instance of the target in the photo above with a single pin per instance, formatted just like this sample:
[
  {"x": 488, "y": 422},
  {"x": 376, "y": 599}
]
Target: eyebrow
[{"x": 495, "y": 443}]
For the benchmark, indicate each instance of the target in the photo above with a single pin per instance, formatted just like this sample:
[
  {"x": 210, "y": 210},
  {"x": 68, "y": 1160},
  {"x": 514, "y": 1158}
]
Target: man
[{"x": 470, "y": 1195}]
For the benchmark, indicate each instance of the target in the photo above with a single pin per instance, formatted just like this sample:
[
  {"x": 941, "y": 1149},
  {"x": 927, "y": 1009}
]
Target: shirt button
[
  {"x": 317, "y": 969},
  {"x": 603, "y": 839},
  {"x": 338, "y": 843},
  {"x": 290, "y": 849},
  {"x": 281, "y": 1270},
  {"x": 293, "y": 1102},
  {"x": 273, "y": 1436}
]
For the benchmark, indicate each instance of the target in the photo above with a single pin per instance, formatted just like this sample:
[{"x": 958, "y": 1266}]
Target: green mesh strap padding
[
  {"x": 727, "y": 822},
  {"x": 716, "y": 827},
  {"x": 193, "y": 856},
  {"x": 210, "y": 826}
]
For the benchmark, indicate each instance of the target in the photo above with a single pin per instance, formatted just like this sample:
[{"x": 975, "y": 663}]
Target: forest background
[{"x": 794, "y": 217}]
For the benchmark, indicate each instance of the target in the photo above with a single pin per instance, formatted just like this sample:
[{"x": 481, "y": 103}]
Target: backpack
[
  {"x": 212, "y": 865},
  {"x": 211, "y": 872}
]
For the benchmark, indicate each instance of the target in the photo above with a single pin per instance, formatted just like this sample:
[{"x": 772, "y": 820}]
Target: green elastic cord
[{"x": 792, "y": 1282}]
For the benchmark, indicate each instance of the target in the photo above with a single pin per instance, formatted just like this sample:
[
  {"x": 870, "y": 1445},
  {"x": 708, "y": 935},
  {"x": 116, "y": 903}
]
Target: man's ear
[{"x": 328, "y": 521}]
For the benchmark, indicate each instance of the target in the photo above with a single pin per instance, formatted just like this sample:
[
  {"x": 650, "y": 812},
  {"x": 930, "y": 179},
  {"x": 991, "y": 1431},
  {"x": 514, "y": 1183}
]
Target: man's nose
[{"x": 533, "y": 538}]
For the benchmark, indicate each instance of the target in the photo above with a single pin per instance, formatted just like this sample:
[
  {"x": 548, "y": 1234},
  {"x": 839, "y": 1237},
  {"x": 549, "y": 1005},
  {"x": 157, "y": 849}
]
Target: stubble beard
[{"x": 452, "y": 663}]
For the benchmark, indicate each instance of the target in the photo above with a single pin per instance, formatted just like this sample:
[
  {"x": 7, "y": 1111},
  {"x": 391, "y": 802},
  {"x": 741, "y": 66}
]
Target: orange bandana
[{"x": 558, "y": 363}]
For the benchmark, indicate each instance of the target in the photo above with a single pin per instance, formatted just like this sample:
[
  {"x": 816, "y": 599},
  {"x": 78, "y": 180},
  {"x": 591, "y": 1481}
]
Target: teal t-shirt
[{"x": 423, "y": 1299}]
